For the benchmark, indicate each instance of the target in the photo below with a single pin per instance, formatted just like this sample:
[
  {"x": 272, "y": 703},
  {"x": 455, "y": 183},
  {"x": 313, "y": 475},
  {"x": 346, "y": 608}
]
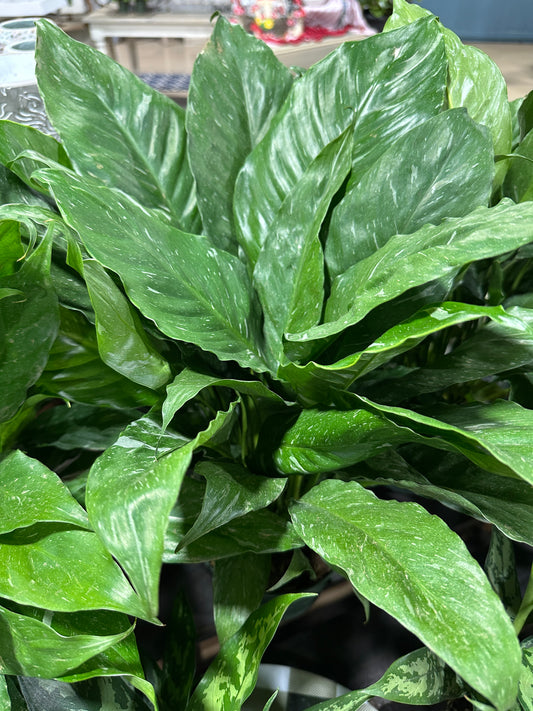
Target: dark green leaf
[
  {"x": 18, "y": 138},
  {"x": 232, "y": 676},
  {"x": 239, "y": 585},
  {"x": 237, "y": 87},
  {"x": 501, "y": 345},
  {"x": 187, "y": 384},
  {"x": 525, "y": 115},
  {"x": 448, "y": 478},
  {"x": 313, "y": 380},
  {"x": 417, "y": 178},
  {"x": 237, "y": 537},
  {"x": 179, "y": 658},
  {"x": 518, "y": 183},
  {"x": 29, "y": 323},
  {"x": 75, "y": 371},
  {"x": 385, "y": 84},
  {"x": 400, "y": 557},
  {"x": 500, "y": 566},
  {"x": 231, "y": 492},
  {"x": 326, "y": 440},
  {"x": 211, "y": 305},
  {"x": 115, "y": 127},
  {"x": 113, "y": 694}
]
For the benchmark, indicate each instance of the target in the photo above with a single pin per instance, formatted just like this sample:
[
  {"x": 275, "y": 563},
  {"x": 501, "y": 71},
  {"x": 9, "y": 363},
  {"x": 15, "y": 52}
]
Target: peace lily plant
[{"x": 223, "y": 327}]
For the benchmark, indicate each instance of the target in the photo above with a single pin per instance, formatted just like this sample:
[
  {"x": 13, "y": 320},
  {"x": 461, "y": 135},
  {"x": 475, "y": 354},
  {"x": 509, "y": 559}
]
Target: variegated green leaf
[
  {"x": 237, "y": 87},
  {"x": 232, "y": 675},
  {"x": 417, "y": 678},
  {"x": 147, "y": 466},
  {"x": 231, "y": 492},
  {"x": 113, "y": 126},
  {"x": 31, "y": 494},
  {"x": 399, "y": 557}
]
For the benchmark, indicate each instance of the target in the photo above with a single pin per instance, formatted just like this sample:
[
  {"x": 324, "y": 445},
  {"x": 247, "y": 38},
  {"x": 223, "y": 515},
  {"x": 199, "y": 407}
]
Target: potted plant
[{"x": 227, "y": 328}]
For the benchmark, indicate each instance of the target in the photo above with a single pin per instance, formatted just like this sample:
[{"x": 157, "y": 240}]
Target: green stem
[{"x": 526, "y": 606}]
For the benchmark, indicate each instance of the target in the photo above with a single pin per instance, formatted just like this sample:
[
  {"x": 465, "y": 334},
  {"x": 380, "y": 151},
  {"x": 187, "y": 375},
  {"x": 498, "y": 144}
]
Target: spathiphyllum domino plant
[{"x": 231, "y": 334}]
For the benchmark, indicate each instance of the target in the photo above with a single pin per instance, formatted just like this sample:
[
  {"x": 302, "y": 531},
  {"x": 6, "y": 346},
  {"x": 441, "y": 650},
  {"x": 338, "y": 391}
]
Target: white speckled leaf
[
  {"x": 387, "y": 84},
  {"x": 401, "y": 558},
  {"x": 147, "y": 467},
  {"x": 115, "y": 127},
  {"x": 31, "y": 493},
  {"x": 237, "y": 87}
]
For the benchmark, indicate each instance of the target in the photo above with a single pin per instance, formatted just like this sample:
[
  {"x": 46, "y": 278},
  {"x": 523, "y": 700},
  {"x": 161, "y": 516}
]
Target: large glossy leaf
[
  {"x": 231, "y": 492},
  {"x": 417, "y": 179},
  {"x": 29, "y": 322},
  {"x": 237, "y": 87},
  {"x": 122, "y": 342},
  {"x": 313, "y": 380},
  {"x": 31, "y": 493},
  {"x": 400, "y": 557},
  {"x": 147, "y": 467},
  {"x": 33, "y": 647},
  {"x": 325, "y": 440},
  {"x": 232, "y": 676},
  {"x": 418, "y": 678},
  {"x": 289, "y": 273},
  {"x": 385, "y": 84},
  {"x": 114, "y": 126},
  {"x": 239, "y": 585},
  {"x": 408, "y": 261},
  {"x": 52, "y": 566},
  {"x": 474, "y": 81},
  {"x": 211, "y": 305}
]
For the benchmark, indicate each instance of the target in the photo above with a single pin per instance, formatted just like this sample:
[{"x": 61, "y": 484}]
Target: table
[
  {"x": 193, "y": 30},
  {"x": 107, "y": 23}
]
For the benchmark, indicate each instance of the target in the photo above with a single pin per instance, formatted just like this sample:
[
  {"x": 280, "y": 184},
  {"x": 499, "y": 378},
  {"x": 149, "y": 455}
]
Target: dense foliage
[{"x": 223, "y": 328}]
